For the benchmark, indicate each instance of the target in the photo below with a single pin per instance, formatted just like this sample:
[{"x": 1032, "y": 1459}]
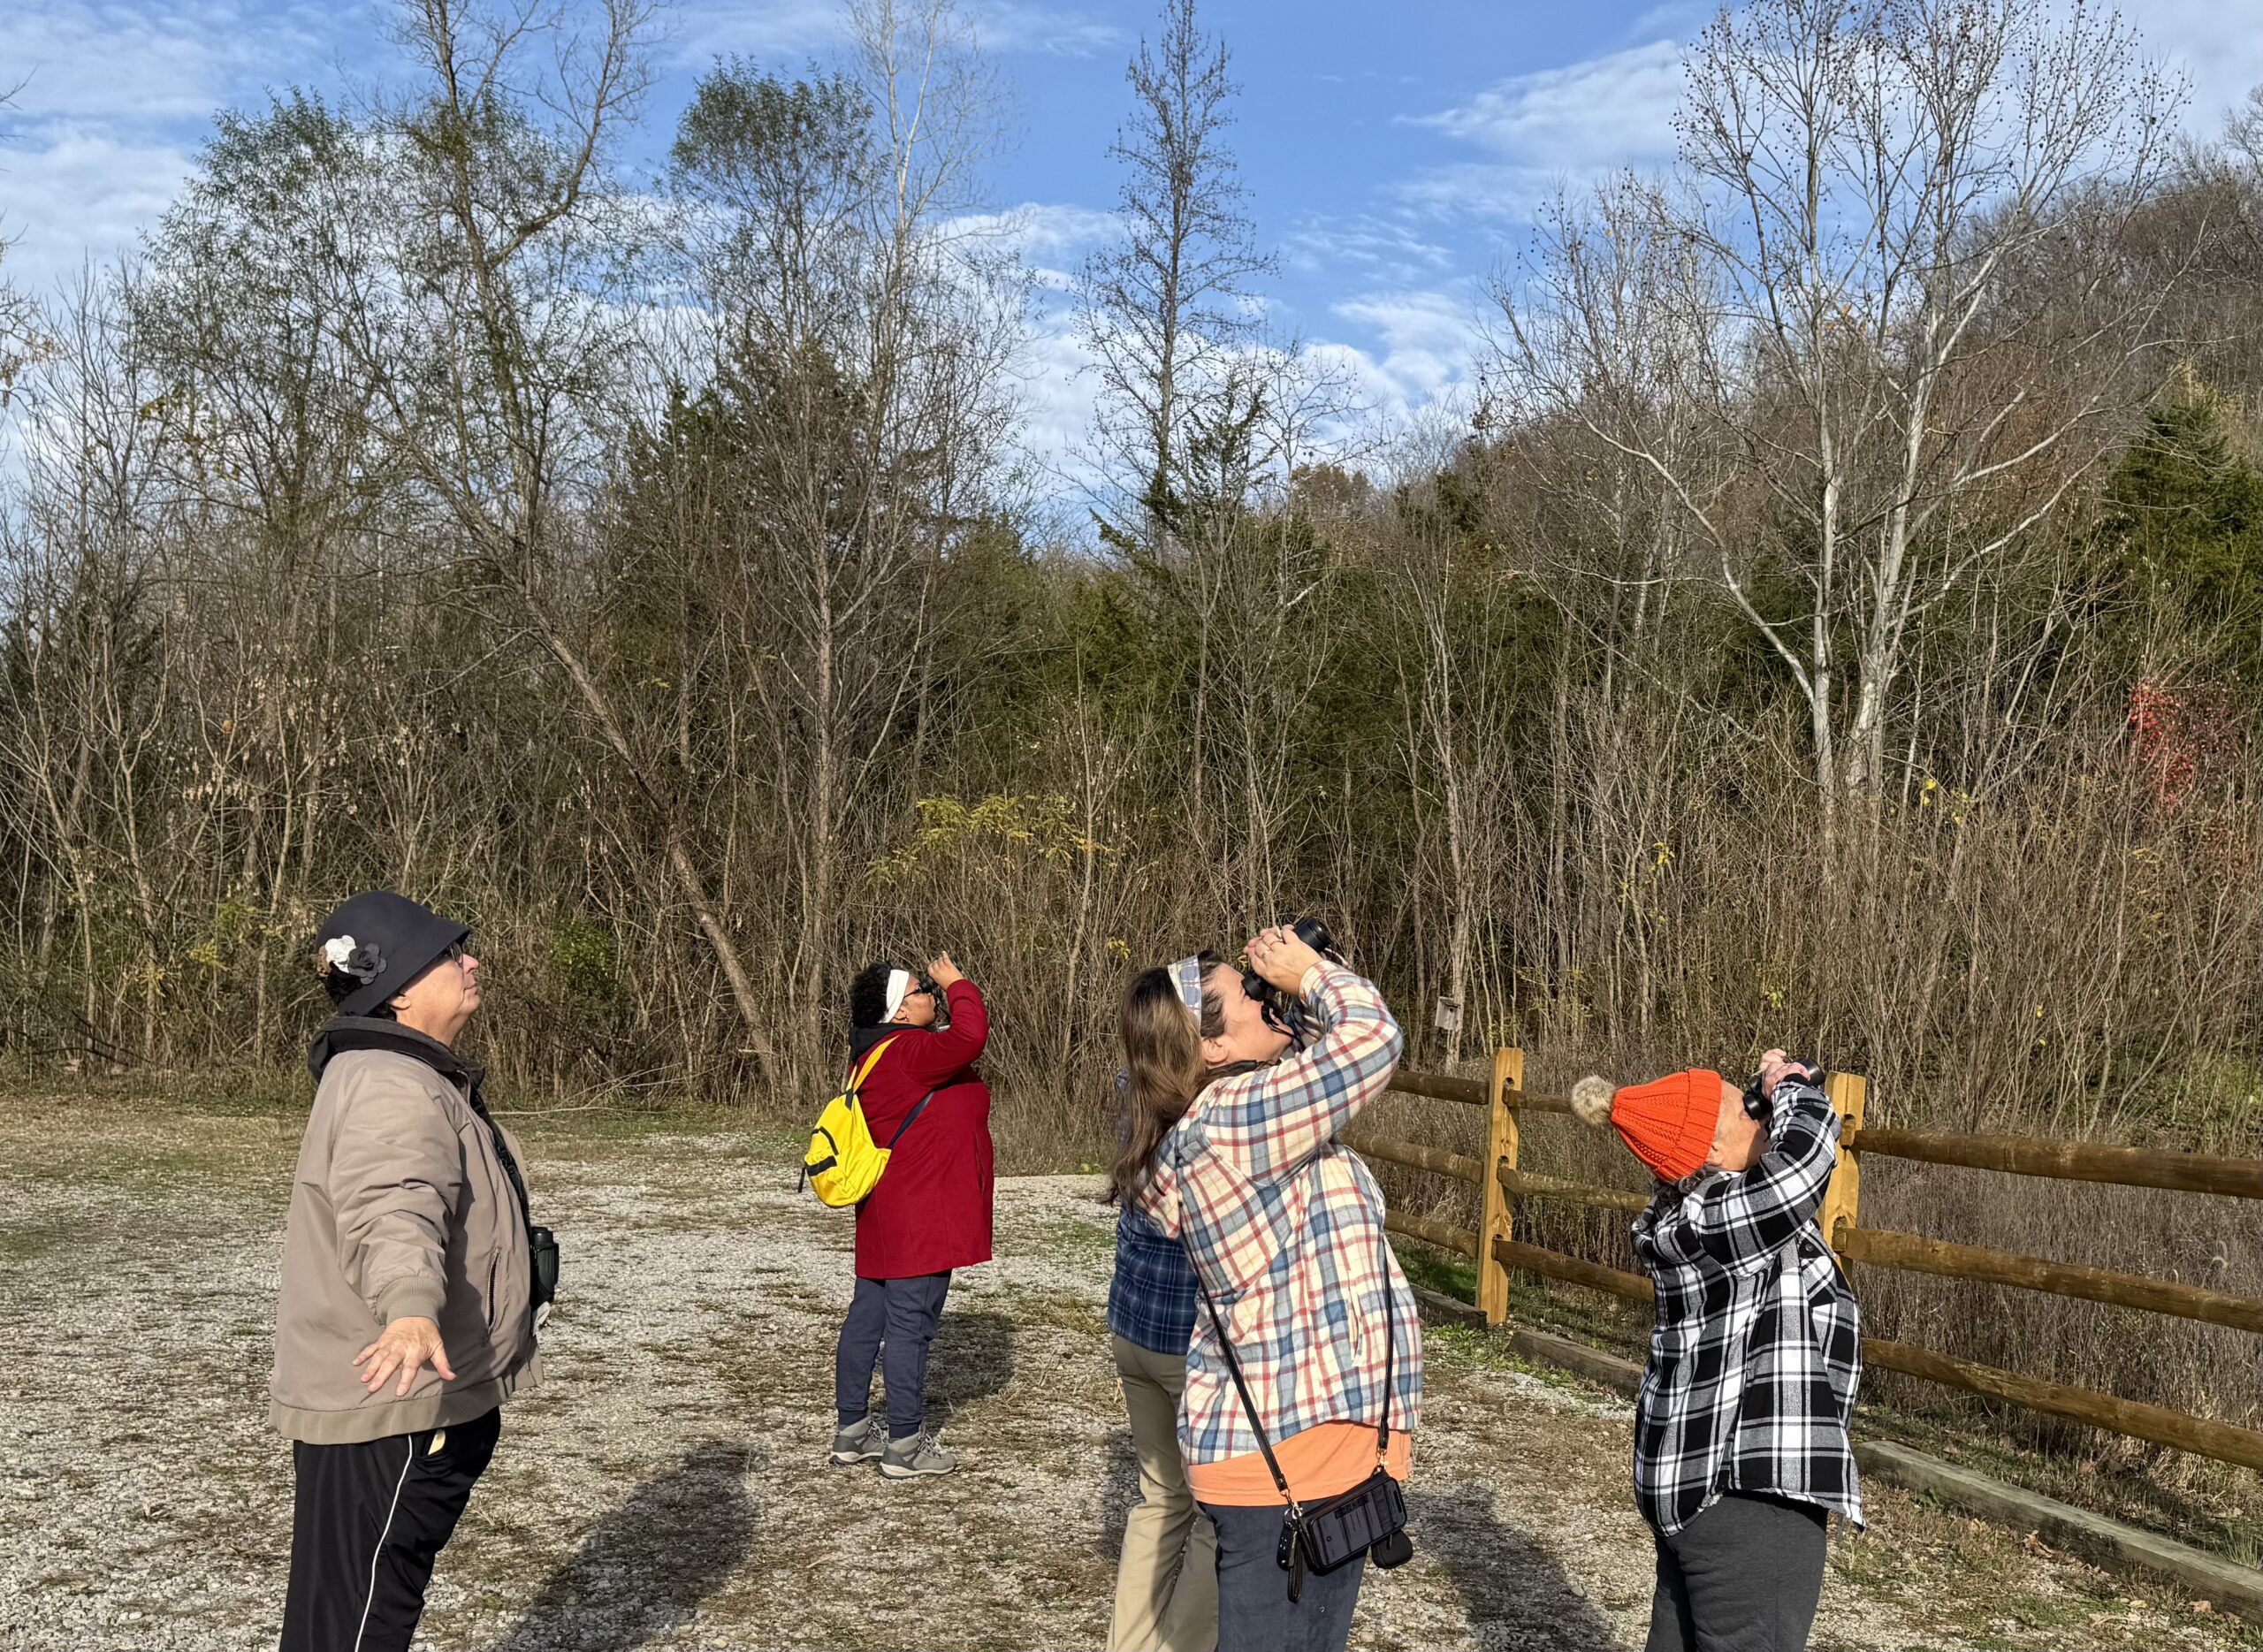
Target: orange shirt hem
[{"x": 1317, "y": 1461}]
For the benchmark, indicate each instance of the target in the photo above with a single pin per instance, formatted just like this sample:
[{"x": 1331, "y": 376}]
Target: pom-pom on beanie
[{"x": 1668, "y": 1124}]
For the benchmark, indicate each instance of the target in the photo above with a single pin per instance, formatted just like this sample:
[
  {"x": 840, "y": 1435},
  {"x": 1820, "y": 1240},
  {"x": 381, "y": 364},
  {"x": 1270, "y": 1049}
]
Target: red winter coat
[{"x": 930, "y": 1212}]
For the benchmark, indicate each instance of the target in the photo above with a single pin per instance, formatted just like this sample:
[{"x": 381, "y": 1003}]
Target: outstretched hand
[
  {"x": 406, "y": 1345},
  {"x": 1281, "y": 955}
]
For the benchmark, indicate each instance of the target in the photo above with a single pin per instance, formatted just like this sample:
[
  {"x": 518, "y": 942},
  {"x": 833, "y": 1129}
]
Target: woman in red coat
[{"x": 929, "y": 1214}]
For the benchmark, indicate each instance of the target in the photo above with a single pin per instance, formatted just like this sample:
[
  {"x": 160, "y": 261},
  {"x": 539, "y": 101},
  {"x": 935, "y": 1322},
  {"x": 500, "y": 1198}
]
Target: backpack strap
[
  {"x": 872, "y": 1060},
  {"x": 857, "y": 1084},
  {"x": 917, "y": 1108}
]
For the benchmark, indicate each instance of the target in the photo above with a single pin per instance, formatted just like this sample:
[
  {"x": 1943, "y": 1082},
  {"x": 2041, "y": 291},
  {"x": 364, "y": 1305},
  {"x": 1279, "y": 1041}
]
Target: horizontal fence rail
[
  {"x": 2070, "y": 1160},
  {"x": 1885, "y": 1248},
  {"x": 1505, "y": 1100}
]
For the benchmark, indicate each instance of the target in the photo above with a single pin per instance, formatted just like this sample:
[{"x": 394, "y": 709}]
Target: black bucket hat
[{"x": 384, "y": 941}]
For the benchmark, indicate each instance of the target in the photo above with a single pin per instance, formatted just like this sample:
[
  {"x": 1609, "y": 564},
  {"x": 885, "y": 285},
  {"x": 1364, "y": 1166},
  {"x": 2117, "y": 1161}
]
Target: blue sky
[{"x": 1391, "y": 150}]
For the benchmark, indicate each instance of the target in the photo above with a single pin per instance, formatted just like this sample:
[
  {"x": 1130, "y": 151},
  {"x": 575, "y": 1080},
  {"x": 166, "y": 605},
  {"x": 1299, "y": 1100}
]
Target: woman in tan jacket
[{"x": 412, "y": 1280}]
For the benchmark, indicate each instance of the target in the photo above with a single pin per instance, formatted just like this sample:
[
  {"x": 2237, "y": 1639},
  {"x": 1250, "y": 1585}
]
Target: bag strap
[
  {"x": 1248, "y": 1406},
  {"x": 502, "y": 1152},
  {"x": 917, "y": 1108},
  {"x": 1390, "y": 1345},
  {"x": 1241, "y": 1387},
  {"x": 872, "y": 1060}
]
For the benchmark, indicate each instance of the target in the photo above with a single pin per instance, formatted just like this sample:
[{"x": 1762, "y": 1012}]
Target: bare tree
[
  {"x": 1902, "y": 315},
  {"x": 491, "y": 337},
  {"x": 23, "y": 335},
  {"x": 1165, "y": 308},
  {"x": 861, "y": 338}
]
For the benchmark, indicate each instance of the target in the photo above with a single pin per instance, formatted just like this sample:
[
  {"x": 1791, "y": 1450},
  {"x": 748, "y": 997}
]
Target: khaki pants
[{"x": 1167, "y": 1582}]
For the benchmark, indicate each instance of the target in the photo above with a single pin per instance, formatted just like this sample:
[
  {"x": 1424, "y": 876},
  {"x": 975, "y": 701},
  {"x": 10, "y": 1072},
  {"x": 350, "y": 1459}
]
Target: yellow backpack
[{"x": 843, "y": 1164}]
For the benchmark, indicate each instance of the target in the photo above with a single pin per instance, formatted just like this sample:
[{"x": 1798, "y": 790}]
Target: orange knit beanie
[{"x": 1668, "y": 1124}]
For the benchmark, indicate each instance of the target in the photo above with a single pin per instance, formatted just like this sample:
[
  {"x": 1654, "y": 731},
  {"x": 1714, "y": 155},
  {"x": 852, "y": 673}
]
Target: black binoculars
[
  {"x": 1758, "y": 1103},
  {"x": 1284, "y": 1010}
]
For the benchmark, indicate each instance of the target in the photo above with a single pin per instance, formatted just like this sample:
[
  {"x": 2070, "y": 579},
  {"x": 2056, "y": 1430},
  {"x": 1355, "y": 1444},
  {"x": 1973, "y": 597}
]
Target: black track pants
[{"x": 368, "y": 1523}]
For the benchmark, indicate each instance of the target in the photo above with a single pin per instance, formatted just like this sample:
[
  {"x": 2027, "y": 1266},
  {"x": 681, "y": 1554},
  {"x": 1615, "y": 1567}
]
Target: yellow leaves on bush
[{"x": 1002, "y": 832}]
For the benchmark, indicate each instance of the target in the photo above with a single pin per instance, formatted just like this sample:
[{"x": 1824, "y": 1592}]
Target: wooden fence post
[
  {"x": 1842, "y": 1200},
  {"x": 1499, "y": 1219}
]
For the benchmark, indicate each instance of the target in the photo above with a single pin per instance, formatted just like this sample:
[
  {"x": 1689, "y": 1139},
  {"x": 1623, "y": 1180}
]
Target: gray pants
[
  {"x": 890, "y": 1324},
  {"x": 1744, "y": 1576}
]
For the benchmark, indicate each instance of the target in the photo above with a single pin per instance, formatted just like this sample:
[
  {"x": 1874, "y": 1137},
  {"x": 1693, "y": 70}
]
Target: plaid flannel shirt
[
  {"x": 1284, "y": 1227},
  {"x": 1151, "y": 1301},
  {"x": 1756, "y": 1347}
]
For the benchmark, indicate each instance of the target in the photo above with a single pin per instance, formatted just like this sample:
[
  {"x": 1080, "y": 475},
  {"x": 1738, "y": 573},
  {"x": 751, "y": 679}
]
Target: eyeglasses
[{"x": 457, "y": 950}]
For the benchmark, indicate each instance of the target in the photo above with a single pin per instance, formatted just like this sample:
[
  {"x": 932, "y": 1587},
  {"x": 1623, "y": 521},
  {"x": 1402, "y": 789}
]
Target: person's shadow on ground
[
  {"x": 644, "y": 1568},
  {"x": 1513, "y": 1590},
  {"x": 971, "y": 1359}
]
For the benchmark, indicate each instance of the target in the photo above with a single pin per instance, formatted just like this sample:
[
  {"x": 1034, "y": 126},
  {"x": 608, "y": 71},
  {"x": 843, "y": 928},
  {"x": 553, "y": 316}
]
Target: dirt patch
[{"x": 666, "y": 1486}]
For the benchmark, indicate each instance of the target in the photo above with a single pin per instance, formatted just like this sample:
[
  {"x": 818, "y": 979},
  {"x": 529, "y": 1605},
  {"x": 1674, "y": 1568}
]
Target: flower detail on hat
[{"x": 364, "y": 963}]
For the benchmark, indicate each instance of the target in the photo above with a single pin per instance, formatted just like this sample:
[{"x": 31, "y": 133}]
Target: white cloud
[
  {"x": 2218, "y": 45},
  {"x": 1428, "y": 343},
  {"x": 114, "y": 97},
  {"x": 99, "y": 60},
  {"x": 1572, "y": 124},
  {"x": 82, "y": 194},
  {"x": 799, "y": 28},
  {"x": 1377, "y": 249},
  {"x": 1009, "y": 26},
  {"x": 1672, "y": 20},
  {"x": 1051, "y": 238},
  {"x": 1057, "y": 391},
  {"x": 759, "y": 28},
  {"x": 1597, "y": 113}
]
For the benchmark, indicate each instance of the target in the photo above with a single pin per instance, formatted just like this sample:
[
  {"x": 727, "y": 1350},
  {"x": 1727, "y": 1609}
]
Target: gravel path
[{"x": 666, "y": 1487}]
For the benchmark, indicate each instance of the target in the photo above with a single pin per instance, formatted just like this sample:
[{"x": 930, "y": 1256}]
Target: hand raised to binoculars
[
  {"x": 1775, "y": 1066},
  {"x": 1280, "y": 955},
  {"x": 942, "y": 972}
]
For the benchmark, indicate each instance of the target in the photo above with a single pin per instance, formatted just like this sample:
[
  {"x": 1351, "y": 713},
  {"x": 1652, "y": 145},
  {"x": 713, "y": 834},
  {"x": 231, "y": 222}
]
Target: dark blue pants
[
  {"x": 1254, "y": 1614},
  {"x": 890, "y": 1324}
]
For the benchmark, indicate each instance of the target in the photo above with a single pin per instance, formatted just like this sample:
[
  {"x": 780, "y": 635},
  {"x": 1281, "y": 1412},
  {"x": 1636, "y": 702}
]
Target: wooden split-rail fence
[{"x": 1501, "y": 1183}]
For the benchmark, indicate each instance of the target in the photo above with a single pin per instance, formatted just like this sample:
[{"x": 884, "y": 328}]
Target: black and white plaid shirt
[{"x": 1757, "y": 1343}]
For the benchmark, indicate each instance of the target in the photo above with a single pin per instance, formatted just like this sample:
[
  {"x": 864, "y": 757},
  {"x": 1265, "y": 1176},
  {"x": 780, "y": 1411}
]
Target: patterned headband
[{"x": 1188, "y": 972}]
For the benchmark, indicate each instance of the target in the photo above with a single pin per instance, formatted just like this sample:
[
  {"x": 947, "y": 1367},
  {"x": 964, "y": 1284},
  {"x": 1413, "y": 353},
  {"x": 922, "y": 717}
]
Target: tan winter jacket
[{"x": 400, "y": 1208}]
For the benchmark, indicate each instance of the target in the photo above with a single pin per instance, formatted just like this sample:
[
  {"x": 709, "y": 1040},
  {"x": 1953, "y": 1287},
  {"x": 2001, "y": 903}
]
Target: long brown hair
[{"x": 1163, "y": 1068}]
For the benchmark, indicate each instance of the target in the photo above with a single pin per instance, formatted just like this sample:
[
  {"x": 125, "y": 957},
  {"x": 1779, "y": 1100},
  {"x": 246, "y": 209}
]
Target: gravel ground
[{"x": 666, "y": 1486}]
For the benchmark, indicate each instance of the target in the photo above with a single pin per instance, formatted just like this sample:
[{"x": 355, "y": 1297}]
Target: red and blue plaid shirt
[{"x": 1284, "y": 1227}]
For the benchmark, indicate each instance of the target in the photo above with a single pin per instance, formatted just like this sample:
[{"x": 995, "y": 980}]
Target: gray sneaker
[
  {"x": 921, "y": 1454},
  {"x": 859, "y": 1442}
]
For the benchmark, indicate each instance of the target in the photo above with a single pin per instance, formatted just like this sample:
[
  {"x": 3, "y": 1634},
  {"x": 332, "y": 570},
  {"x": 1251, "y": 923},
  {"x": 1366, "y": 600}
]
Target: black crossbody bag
[{"x": 1369, "y": 1519}]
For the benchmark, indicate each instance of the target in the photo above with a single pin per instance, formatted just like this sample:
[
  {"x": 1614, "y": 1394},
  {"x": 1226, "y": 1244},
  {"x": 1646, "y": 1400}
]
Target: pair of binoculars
[
  {"x": 1757, "y": 1103},
  {"x": 1285, "y": 1011}
]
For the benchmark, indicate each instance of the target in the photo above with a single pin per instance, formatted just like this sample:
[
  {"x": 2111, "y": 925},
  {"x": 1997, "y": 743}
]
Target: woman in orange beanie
[{"x": 1741, "y": 1448}]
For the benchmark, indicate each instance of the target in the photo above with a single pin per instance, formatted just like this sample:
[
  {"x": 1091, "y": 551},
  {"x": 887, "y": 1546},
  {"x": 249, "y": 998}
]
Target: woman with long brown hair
[
  {"x": 1232, "y": 1150},
  {"x": 1166, "y": 1576}
]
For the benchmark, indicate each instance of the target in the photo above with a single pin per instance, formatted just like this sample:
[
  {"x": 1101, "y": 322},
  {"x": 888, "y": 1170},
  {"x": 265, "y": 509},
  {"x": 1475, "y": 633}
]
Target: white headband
[{"x": 899, "y": 983}]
